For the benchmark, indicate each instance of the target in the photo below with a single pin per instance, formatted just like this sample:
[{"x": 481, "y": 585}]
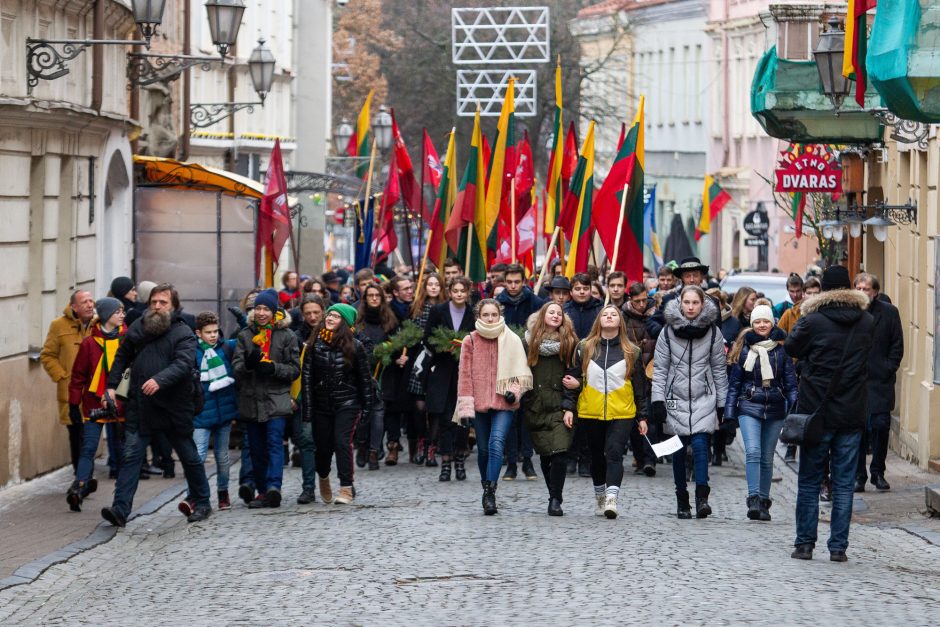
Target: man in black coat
[
  {"x": 821, "y": 341},
  {"x": 160, "y": 350},
  {"x": 887, "y": 350},
  {"x": 690, "y": 272},
  {"x": 582, "y": 308}
]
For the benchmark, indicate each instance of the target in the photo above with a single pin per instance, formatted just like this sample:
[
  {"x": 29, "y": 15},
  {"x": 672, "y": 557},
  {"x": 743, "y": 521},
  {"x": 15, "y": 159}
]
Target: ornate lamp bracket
[
  {"x": 147, "y": 69},
  {"x": 904, "y": 131},
  {"x": 209, "y": 113},
  {"x": 47, "y": 59}
]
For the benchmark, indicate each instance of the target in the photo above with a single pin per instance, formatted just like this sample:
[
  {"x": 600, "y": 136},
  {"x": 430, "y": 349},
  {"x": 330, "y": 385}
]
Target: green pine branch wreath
[
  {"x": 408, "y": 335},
  {"x": 444, "y": 340}
]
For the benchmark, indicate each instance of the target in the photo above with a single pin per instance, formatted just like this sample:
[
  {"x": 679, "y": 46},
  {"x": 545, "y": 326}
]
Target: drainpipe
[
  {"x": 97, "y": 57},
  {"x": 187, "y": 85}
]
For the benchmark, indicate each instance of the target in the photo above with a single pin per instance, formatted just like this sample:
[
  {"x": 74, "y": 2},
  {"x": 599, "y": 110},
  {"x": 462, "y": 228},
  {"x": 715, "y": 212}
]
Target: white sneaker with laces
[
  {"x": 610, "y": 506},
  {"x": 600, "y": 500}
]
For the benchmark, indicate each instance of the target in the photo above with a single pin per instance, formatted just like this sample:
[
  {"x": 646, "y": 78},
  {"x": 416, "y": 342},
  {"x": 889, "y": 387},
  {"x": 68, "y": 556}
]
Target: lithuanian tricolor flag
[
  {"x": 443, "y": 206},
  {"x": 462, "y": 234},
  {"x": 856, "y": 46},
  {"x": 359, "y": 142},
  {"x": 575, "y": 216},
  {"x": 505, "y": 138},
  {"x": 554, "y": 195},
  {"x": 714, "y": 200},
  {"x": 626, "y": 176}
]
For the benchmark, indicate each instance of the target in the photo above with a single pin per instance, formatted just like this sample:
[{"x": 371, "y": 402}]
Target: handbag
[
  {"x": 804, "y": 428},
  {"x": 124, "y": 387}
]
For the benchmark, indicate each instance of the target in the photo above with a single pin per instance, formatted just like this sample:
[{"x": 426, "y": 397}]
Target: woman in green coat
[{"x": 550, "y": 344}]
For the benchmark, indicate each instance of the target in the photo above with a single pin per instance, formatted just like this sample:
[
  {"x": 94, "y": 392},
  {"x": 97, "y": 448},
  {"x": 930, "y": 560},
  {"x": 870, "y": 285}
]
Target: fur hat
[
  {"x": 836, "y": 278},
  {"x": 762, "y": 312},
  {"x": 143, "y": 291},
  {"x": 106, "y": 307},
  {"x": 268, "y": 298},
  {"x": 348, "y": 312}
]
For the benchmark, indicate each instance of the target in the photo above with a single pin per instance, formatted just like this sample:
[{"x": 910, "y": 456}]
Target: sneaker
[
  {"x": 272, "y": 498},
  {"x": 610, "y": 506},
  {"x": 600, "y": 500},
  {"x": 345, "y": 496},
  {"x": 326, "y": 492},
  {"x": 152, "y": 470},
  {"x": 224, "y": 501},
  {"x": 257, "y": 502},
  {"x": 876, "y": 480},
  {"x": 528, "y": 469},
  {"x": 837, "y": 556},
  {"x": 74, "y": 497},
  {"x": 187, "y": 507},
  {"x": 92, "y": 486},
  {"x": 306, "y": 497},
  {"x": 802, "y": 552},
  {"x": 511, "y": 472},
  {"x": 113, "y": 517},
  {"x": 246, "y": 493},
  {"x": 202, "y": 512}
]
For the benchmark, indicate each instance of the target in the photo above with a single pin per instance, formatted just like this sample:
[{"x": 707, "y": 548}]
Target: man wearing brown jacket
[{"x": 58, "y": 354}]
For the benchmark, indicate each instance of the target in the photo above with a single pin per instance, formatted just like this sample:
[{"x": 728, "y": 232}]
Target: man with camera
[{"x": 160, "y": 350}]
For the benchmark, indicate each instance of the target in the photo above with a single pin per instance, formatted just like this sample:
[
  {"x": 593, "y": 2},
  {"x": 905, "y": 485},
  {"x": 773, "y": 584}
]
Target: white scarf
[
  {"x": 761, "y": 349},
  {"x": 511, "y": 362},
  {"x": 212, "y": 370}
]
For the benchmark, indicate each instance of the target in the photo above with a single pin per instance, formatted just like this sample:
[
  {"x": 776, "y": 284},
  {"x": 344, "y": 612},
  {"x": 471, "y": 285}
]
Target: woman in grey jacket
[{"x": 690, "y": 383}]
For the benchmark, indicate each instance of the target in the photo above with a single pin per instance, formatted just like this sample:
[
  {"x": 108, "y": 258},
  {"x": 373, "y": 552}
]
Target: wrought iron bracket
[
  {"x": 47, "y": 59},
  {"x": 209, "y": 113},
  {"x": 904, "y": 131},
  {"x": 147, "y": 69}
]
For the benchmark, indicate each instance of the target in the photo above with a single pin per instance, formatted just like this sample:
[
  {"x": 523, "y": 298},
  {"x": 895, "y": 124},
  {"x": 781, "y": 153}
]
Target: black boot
[
  {"x": 421, "y": 451},
  {"x": 702, "y": 508},
  {"x": 489, "y": 498},
  {"x": 765, "y": 509},
  {"x": 753, "y": 507},
  {"x": 362, "y": 455},
  {"x": 74, "y": 496},
  {"x": 459, "y": 469},
  {"x": 683, "y": 509},
  {"x": 445, "y": 471},
  {"x": 554, "y": 507}
]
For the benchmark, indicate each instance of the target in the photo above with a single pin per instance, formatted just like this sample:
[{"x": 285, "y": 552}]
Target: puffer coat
[
  {"x": 330, "y": 384},
  {"x": 262, "y": 397},
  {"x": 689, "y": 368},
  {"x": 221, "y": 406},
  {"x": 747, "y": 394},
  {"x": 545, "y": 404}
]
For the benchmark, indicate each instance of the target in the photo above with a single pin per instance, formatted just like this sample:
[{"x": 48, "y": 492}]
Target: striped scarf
[
  {"x": 99, "y": 381},
  {"x": 212, "y": 370}
]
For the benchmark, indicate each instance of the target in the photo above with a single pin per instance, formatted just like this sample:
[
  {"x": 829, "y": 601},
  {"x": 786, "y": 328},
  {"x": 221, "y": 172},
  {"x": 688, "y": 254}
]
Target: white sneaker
[
  {"x": 601, "y": 500},
  {"x": 610, "y": 506}
]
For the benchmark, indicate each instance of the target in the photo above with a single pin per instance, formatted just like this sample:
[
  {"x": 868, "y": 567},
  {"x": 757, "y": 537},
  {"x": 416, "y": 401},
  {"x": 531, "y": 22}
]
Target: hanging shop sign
[{"x": 808, "y": 168}]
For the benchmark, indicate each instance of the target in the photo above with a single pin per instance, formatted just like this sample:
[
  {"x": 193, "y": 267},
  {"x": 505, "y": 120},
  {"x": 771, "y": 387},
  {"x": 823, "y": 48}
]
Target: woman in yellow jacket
[{"x": 612, "y": 395}]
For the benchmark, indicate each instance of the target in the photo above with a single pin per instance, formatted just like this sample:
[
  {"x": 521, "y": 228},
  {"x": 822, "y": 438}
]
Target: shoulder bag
[{"x": 804, "y": 428}]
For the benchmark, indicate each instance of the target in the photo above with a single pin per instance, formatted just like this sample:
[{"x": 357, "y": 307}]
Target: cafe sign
[{"x": 808, "y": 168}]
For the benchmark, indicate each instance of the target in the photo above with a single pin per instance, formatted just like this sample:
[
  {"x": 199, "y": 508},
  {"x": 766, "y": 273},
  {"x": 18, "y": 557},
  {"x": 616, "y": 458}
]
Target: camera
[{"x": 108, "y": 412}]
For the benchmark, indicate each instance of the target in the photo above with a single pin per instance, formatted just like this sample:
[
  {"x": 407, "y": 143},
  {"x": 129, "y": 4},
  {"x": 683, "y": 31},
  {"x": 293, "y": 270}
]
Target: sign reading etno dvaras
[{"x": 808, "y": 168}]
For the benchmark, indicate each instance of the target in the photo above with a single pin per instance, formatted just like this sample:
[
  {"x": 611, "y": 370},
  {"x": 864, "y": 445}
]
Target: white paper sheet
[{"x": 668, "y": 447}]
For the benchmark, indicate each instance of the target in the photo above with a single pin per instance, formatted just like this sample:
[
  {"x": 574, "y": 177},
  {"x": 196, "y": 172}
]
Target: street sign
[
  {"x": 808, "y": 168},
  {"x": 755, "y": 241},
  {"x": 756, "y": 223}
]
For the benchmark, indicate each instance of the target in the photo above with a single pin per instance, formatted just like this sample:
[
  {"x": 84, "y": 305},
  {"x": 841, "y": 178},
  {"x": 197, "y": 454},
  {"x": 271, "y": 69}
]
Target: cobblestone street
[{"x": 415, "y": 551}]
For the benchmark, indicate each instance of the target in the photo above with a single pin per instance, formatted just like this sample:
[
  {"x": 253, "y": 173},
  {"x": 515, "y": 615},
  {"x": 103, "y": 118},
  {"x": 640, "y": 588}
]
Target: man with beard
[{"x": 160, "y": 350}]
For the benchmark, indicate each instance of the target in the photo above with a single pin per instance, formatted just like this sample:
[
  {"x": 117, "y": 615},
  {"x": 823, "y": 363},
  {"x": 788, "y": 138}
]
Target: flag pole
[
  {"x": 424, "y": 165},
  {"x": 424, "y": 264},
  {"x": 623, "y": 209},
  {"x": 548, "y": 258},
  {"x": 466, "y": 270},
  {"x": 512, "y": 216},
  {"x": 362, "y": 238}
]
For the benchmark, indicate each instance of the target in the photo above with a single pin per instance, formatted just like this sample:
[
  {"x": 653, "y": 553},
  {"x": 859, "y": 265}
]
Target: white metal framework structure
[
  {"x": 486, "y": 88},
  {"x": 500, "y": 35}
]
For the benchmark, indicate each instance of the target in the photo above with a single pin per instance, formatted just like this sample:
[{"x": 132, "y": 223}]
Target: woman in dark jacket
[
  {"x": 550, "y": 343},
  {"x": 761, "y": 390},
  {"x": 454, "y": 315},
  {"x": 423, "y": 432},
  {"x": 336, "y": 388}
]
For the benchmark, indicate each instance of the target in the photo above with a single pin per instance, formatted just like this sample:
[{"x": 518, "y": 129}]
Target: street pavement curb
[{"x": 31, "y": 571}]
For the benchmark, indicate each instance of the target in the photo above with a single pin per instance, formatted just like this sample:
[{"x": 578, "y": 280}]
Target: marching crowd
[{"x": 368, "y": 372}]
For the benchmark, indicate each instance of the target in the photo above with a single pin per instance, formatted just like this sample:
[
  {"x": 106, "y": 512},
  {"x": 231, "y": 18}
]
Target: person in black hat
[
  {"x": 832, "y": 339},
  {"x": 690, "y": 272},
  {"x": 559, "y": 290},
  {"x": 332, "y": 282}
]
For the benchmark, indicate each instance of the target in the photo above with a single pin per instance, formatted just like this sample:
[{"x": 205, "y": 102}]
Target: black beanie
[
  {"x": 121, "y": 286},
  {"x": 836, "y": 278}
]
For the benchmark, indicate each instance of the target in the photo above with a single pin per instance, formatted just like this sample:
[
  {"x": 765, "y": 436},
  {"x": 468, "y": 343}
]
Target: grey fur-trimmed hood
[
  {"x": 283, "y": 323},
  {"x": 834, "y": 298},
  {"x": 675, "y": 319}
]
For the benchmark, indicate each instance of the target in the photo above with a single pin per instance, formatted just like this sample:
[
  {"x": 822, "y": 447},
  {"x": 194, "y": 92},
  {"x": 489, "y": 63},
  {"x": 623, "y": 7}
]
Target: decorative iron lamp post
[
  {"x": 261, "y": 69},
  {"x": 829, "y": 53},
  {"x": 225, "y": 19}
]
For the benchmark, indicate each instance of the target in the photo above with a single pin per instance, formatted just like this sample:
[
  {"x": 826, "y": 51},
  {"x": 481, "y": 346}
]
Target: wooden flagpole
[
  {"x": 512, "y": 216},
  {"x": 548, "y": 257},
  {"x": 466, "y": 269},
  {"x": 362, "y": 238},
  {"x": 623, "y": 209}
]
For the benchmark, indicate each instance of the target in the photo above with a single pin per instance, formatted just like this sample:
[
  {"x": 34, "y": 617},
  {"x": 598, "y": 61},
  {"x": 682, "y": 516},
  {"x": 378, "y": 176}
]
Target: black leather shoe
[
  {"x": 554, "y": 508},
  {"x": 753, "y": 507},
  {"x": 528, "y": 469},
  {"x": 683, "y": 508},
  {"x": 113, "y": 517},
  {"x": 202, "y": 512},
  {"x": 246, "y": 493},
  {"x": 445, "y": 472},
  {"x": 702, "y": 508},
  {"x": 460, "y": 472},
  {"x": 572, "y": 468},
  {"x": 879, "y": 482},
  {"x": 802, "y": 552},
  {"x": 511, "y": 473},
  {"x": 837, "y": 556},
  {"x": 584, "y": 469},
  {"x": 649, "y": 470},
  {"x": 860, "y": 484},
  {"x": 765, "y": 509}
]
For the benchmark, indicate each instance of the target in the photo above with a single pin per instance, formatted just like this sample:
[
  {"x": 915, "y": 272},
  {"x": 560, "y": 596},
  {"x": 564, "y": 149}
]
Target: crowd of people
[{"x": 372, "y": 370}]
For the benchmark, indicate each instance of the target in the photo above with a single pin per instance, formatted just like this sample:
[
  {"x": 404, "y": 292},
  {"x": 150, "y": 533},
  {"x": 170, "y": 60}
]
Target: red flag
[
  {"x": 525, "y": 175},
  {"x": 433, "y": 170},
  {"x": 410, "y": 190},
  {"x": 623, "y": 133},
  {"x": 386, "y": 239},
  {"x": 274, "y": 224},
  {"x": 570, "y": 161}
]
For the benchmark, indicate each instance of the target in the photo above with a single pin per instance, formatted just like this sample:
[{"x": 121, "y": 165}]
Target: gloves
[
  {"x": 252, "y": 359},
  {"x": 721, "y": 413},
  {"x": 266, "y": 368},
  {"x": 510, "y": 398},
  {"x": 75, "y": 414},
  {"x": 465, "y": 422},
  {"x": 659, "y": 411}
]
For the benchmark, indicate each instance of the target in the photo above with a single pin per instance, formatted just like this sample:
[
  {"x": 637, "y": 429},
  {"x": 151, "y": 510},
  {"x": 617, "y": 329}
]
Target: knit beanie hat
[
  {"x": 105, "y": 307},
  {"x": 143, "y": 291},
  {"x": 348, "y": 312},
  {"x": 268, "y": 298},
  {"x": 121, "y": 286},
  {"x": 836, "y": 278},
  {"x": 762, "y": 312}
]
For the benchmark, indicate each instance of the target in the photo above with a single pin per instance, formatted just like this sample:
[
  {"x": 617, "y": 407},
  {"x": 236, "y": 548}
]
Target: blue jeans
[
  {"x": 135, "y": 446},
  {"x": 699, "y": 442},
  {"x": 114, "y": 446},
  {"x": 220, "y": 436},
  {"x": 843, "y": 456},
  {"x": 492, "y": 428},
  {"x": 760, "y": 441},
  {"x": 91, "y": 435},
  {"x": 302, "y": 433},
  {"x": 266, "y": 440}
]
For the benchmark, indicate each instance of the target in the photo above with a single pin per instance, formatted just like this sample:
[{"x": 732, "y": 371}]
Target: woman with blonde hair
[
  {"x": 742, "y": 304},
  {"x": 612, "y": 395},
  {"x": 550, "y": 344}
]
